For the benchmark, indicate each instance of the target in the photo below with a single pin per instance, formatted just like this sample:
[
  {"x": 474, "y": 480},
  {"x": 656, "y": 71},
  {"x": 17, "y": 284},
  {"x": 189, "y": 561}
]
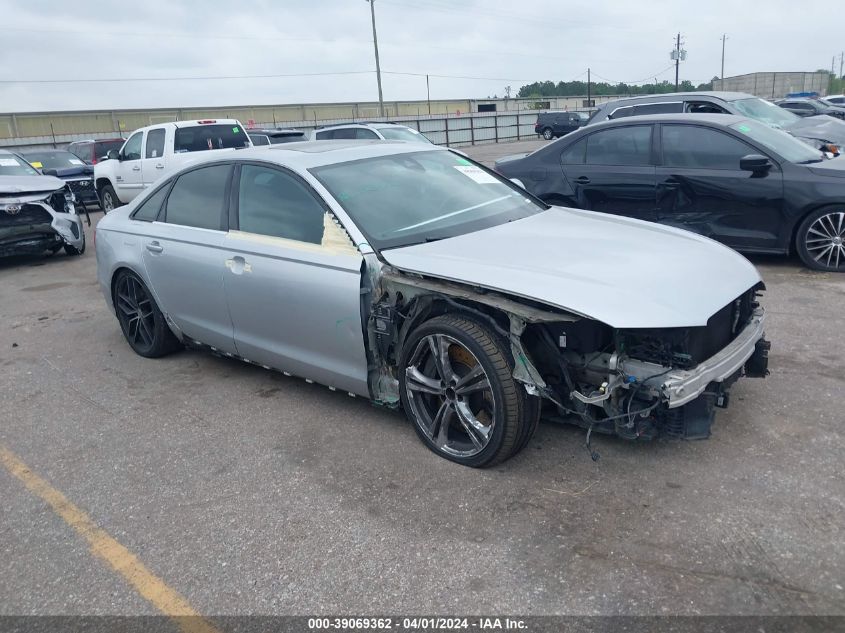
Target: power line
[{"x": 196, "y": 78}]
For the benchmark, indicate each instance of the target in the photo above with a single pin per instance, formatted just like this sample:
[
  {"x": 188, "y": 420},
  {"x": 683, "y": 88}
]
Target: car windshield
[
  {"x": 423, "y": 196},
  {"x": 781, "y": 143},
  {"x": 402, "y": 134},
  {"x": 765, "y": 112},
  {"x": 13, "y": 166},
  {"x": 53, "y": 160}
]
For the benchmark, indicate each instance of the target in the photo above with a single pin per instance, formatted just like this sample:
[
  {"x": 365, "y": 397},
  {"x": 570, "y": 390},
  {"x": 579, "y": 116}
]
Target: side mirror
[
  {"x": 50, "y": 172},
  {"x": 755, "y": 163},
  {"x": 113, "y": 154},
  {"x": 518, "y": 183}
]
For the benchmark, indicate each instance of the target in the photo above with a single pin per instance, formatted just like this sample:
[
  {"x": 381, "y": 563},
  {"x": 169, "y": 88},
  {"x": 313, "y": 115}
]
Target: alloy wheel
[
  {"x": 825, "y": 240},
  {"x": 108, "y": 202},
  {"x": 135, "y": 312},
  {"x": 450, "y": 395}
]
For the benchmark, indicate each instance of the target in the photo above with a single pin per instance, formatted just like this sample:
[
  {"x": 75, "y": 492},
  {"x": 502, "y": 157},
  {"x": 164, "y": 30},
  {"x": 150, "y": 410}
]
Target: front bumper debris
[{"x": 678, "y": 387}]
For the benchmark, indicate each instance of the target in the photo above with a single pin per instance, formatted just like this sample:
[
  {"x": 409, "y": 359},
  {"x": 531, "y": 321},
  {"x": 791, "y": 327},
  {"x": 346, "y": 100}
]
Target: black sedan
[
  {"x": 811, "y": 107},
  {"x": 738, "y": 181},
  {"x": 67, "y": 166}
]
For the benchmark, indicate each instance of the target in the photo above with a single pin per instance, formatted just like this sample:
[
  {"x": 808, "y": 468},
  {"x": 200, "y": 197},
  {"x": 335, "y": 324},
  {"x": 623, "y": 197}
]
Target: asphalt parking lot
[{"x": 251, "y": 493}]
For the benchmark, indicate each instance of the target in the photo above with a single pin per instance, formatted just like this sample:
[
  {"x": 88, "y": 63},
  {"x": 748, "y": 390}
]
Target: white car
[
  {"x": 369, "y": 131},
  {"x": 156, "y": 150}
]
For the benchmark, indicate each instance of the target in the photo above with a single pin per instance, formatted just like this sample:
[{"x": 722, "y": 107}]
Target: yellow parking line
[{"x": 124, "y": 562}]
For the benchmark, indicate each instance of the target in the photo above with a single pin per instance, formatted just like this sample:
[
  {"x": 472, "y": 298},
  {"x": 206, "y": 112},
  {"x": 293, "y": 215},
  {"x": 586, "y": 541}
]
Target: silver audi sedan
[{"x": 417, "y": 278}]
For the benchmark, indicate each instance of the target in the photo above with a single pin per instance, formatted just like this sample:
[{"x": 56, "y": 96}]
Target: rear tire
[
  {"x": 108, "y": 199},
  {"x": 820, "y": 239},
  {"x": 458, "y": 390},
  {"x": 142, "y": 323},
  {"x": 548, "y": 134}
]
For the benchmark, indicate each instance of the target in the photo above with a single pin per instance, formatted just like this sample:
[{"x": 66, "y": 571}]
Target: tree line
[{"x": 579, "y": 88}]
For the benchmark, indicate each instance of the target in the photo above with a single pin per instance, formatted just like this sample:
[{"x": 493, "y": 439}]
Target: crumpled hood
[
  {"x": 822, "y": 127},
  {"x": 623, "y": 272},
  {"x": 25, "y": 185}
]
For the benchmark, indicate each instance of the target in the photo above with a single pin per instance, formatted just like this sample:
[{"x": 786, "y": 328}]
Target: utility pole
[
  {"x": 428, "y": 94},
  {"x": 378, "y": 67},
  {"x": 841, "y": 60},
  {"x": 677, "y": 60},
  {"x": 588, "y": 88},
  {"x": 724, "y": 37},
  {"x": 677, "y": 54}
]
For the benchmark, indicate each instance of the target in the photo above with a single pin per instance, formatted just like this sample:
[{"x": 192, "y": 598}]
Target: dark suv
[
  {"x": 95, "y": 150},
  {"x": 554, "y": 124},
  {"x": 823, "y": 132}
]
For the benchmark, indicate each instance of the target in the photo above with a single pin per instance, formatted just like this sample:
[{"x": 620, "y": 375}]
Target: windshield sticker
[
  {"x": 743, "y": 128},
  {"x": 37, "y": 164},
  {"x": 8, "y": 162},
  {"x": 477, "y": 174},
  {"x": 75, "y": 161},
  {"x": 235, "y": 130},
  {"x": 462, "y": 161}
]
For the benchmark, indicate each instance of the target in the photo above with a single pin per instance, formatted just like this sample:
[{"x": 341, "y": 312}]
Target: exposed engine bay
[{"x": 633, "y": 383}]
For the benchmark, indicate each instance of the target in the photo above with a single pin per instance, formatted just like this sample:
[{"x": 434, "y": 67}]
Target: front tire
[
  {"x": 458, "y": 390},
  {"x": 548, "y": 134},
  {"x": 820, "y": 239},
  {"x": 108, "y": 199},
  {"x": 141, "y": 321}
]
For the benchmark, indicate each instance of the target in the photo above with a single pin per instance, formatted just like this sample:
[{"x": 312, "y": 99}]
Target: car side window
[
  {"x": 704, "y": 107},
  {"x": 198, "y": 197},
  {"x": 713, "y": 149},
  {"x": 132, "y": 149},
  {"x": 148, "y": 211},
  {"x": 325, "y": 135},
  {"x": 345, "y": 133},
  {"x": 361, "y": 133},
  {"x": 629, "y": 145},
  {"x": 155, "y": 143},
  {"x": 659, "y": 108},
  {"x": 274, "y": 203},
  {"x": 574, "y": 154},
  {"x": 624, "y": 111}
]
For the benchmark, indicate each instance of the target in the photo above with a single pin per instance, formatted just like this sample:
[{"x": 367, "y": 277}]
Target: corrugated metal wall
[
  {"x": 774, "y": 85},
  {"x": 63, "y": 127}
]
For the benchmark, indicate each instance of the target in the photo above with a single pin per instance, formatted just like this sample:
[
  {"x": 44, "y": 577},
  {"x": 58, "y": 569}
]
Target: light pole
[
  {"x": 378, "y": 66},
  {"x": 724, "y": 37}
]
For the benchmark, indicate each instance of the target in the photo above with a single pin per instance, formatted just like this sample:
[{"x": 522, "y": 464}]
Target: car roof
[
  {"x": 307, "y": 154},
  {"x": 722, "y": 96},
  {"x": 678, "y": 117}
]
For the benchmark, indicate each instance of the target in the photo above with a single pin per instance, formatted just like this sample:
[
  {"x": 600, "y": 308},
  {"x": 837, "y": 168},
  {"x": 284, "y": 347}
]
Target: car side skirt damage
[{"x": 637, "y": 384}]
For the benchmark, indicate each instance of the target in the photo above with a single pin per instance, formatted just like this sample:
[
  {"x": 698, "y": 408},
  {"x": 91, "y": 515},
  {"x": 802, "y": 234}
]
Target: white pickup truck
[{"x": 156, "y": 150}]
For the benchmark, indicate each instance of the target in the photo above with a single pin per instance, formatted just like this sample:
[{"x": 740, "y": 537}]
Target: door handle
[
  {"x": 582, "y": 180},
  {"x": 155, "y": 247},
  {"x": 671, "y": 183},
  {"x": 136, "y": 168},
  {"x": 159, "y": 166}
]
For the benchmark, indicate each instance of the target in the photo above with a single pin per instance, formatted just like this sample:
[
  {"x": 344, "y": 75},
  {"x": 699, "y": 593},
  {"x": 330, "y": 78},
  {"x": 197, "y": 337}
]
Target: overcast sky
[{"x": 511, "y": 42}]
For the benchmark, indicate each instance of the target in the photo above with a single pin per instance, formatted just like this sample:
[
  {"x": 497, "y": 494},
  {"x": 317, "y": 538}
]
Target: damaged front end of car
[
  {"x": 633, "y": 383},
  {"x": 36, "y": 217}
]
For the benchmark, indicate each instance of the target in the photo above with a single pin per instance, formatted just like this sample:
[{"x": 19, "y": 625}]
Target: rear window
[
  {"x": 287, "y": 137},
  {"x": 102, "y": 148},
  {"x": 201, "y": 138}
]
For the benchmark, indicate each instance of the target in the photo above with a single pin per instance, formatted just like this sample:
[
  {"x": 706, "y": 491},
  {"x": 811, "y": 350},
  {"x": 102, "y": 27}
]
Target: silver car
[{"x": 419, "y": 279}]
